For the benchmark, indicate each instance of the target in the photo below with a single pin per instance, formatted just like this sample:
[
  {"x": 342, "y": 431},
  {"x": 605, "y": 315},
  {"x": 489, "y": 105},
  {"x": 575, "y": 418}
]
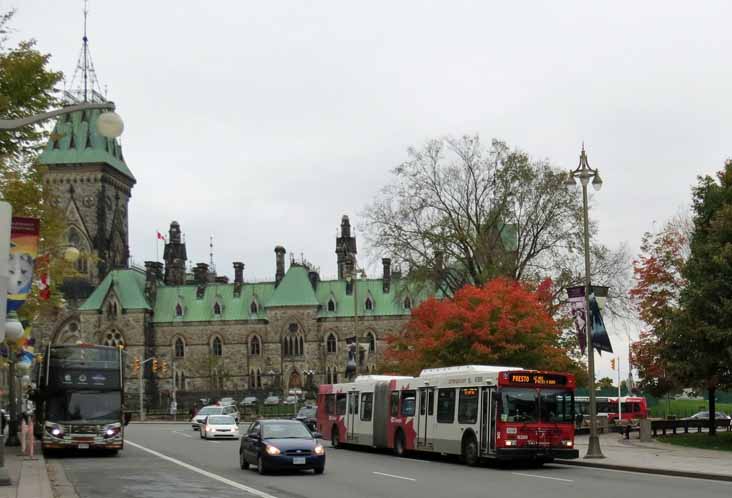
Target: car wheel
[
  {"x": 470, "y": 452},
  {"x": 335, "y": 440},
  {"x": 399, "y": 448},
  {"x": 243, "y": 464},
  {"x": 260, "y": 466},
  {"x": 319, "y": 470}
]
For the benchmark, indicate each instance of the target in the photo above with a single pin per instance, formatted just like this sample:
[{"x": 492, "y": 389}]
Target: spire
[{"x": 84, "y": 85}]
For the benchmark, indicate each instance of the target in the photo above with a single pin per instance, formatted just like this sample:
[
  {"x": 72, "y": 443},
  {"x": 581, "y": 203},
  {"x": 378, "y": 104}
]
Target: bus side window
[
  {"x": 330, "y": 404},
  {"x": 340, "y": 404},
  {"x": 431, "y": 402},
  {"x": 445, "y": 406},
  {"x": 468, "y": 407},
  {"x": 408, "y": 403},
  {"x": 394, "y": 403},
  {"x": 367, "y": 401},
  {"x": 354, "y": 400}
]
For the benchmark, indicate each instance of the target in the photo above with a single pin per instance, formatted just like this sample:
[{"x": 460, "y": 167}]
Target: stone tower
[
  {"x": 175, "y": 257},
  {"x": 345, "y": 248},
  {"x": 90, "y": 182}
]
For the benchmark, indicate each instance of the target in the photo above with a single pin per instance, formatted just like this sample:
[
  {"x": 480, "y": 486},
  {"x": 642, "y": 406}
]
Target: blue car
[{"x": 281, "y": 444}]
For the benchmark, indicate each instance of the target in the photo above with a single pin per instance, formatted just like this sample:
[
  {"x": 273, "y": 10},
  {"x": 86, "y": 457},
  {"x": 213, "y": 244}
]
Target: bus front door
[
  {"x": 425, "y": 416},
  {"x": 487, "y": 429}
]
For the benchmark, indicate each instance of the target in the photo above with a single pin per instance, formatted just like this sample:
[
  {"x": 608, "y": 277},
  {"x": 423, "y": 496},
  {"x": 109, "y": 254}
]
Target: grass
[
  {"x": 722, "y": 441},
  {"x": 685, "y": 407}
]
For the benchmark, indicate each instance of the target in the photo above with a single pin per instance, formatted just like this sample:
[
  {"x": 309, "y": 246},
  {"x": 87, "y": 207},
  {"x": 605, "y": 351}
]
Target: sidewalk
[
  {"x": 28, "y": 478},
  {"x": 655, "y": 458}
]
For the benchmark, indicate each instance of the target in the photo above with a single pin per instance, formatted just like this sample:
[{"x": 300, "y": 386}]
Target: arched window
[
  {"x": 259, "y": 379},
  {"x": 180, "y": 348},
  {"x": 331, "y": 305},
  {"x": 113, "y": 338},
  {"x": 183, "y": 380},
  {"x": 331, "y": 344},
  {"x": 371, "y": 341},
  {"x": 285, "y": 347},
  {"x": 178, "y": 310},
  {"x": 302, "y": 346},
  {"x": 407, "y": 303},
  {"x": 253, "y": 308},
  {"x": 217, "y": 347},
  {"x": 252, "y": 379},
  {"x": 255, "y": 346},
  {"x": 369, "y": 304},
  {"x": 217, "y": 308},
  {"x": 335, "y": 376}
]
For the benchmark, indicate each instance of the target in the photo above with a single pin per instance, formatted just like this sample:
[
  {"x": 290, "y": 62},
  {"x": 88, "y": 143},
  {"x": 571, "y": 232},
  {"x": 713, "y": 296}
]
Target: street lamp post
[
  {"x": 109, "y": 124},
  {"x": 13, "y": 332},
  {"x": 585, "y": 174}
]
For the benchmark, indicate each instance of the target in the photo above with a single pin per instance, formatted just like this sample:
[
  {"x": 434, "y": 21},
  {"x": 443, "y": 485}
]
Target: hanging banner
[
  {"x": 598, "y": 296},
  {"x": 24, "y": 234}
]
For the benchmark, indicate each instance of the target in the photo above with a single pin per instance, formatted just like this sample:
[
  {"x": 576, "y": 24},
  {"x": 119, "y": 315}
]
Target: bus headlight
[
  {"x": 54, "y": 430},
  {"x": 567, "y": 443},
  {"x": 510, "y": 442},
  {"x": 111, "y": 430},
  {"x": 319, "y": 450}
]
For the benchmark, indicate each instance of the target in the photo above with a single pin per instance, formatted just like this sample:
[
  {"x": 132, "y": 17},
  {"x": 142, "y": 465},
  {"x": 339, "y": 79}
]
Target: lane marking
[
  {"x": 639, "y": 473},
  {"x": 182, "y": 434},
  {"x": 395, "y": 477},
  {"x": 206, "y": 473},
  {"x": 542, "y": 477}
]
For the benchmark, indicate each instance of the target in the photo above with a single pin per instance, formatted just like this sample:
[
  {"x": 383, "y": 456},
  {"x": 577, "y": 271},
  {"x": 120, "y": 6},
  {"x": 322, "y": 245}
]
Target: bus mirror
[{"x": 128, "y": 417}]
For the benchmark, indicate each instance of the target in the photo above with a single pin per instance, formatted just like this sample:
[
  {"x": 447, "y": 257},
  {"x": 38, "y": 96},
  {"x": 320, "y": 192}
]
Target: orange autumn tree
[{"x": 503, "y": 322}]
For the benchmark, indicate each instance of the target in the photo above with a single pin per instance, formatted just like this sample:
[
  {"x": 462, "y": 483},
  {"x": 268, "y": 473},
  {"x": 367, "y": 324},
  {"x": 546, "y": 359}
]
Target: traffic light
[
  {"x": 39, "y": 358},
  {"x": 164, "y": 367},
  {"x": 136, "y": 365},
  {"x": 155, "y": 365},
  {"x": 612, "y": 363}
]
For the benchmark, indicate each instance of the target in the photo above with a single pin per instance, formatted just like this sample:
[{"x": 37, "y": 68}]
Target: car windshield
[
  {"x": 285, "y": 430},
  {"x": 210, "y": 410},
  {"x": 84, "y": 405},
  {"x": 221, "y": 420}
]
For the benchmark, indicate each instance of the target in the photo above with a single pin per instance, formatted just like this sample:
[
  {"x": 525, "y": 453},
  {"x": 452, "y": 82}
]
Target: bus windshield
[
  {"x": 532, "y": 405},
  {"x": 84, "y": 406}
]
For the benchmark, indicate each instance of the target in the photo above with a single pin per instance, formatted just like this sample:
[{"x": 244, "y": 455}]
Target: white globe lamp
[
  {"x": 13, "y": 330},
  {"x": 110, "y": 125},
  {"x": 71, "y": 254}
]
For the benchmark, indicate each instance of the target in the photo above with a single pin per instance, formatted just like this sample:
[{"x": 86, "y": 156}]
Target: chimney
[
  {"x": 314, "y": 279},
  {"x": 386, "y": 282},
  {"x": 238, "y": 272},
  {"x": 280, "y": 273},
  {"x": 149, "y": 271},
  {"x": 157, "y": 267},
  {"x": 200, "y": 274}
]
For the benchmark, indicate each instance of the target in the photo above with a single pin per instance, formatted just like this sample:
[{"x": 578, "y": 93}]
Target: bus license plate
[
  {"x": 83, "y": 446},
  {"x": 298, "y": 460}
]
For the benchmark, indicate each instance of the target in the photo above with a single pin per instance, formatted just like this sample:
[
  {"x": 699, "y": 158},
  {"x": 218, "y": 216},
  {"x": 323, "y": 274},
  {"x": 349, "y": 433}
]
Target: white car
[
  {"x": 200, "y": 417},
  {"x": 220, "y": 427},
  {"x": 227, "y": 401},
  {"x": 290, "y": 400}
]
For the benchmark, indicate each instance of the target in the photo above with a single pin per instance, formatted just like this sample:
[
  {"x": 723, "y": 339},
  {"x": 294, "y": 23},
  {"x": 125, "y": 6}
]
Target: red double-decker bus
[{"x": 475, "y": 411}]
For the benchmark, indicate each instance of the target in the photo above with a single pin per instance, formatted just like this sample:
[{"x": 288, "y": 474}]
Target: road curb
[{"x": 648, "y": 470}]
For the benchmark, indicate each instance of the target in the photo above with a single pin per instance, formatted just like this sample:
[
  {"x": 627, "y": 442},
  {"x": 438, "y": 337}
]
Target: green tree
[
  {"x": 698, "y": 344},
  {"x": 605, "y": 383}
]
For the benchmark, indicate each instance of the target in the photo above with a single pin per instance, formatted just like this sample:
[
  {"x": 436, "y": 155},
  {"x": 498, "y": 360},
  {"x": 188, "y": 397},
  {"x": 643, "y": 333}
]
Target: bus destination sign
[{"x": 538, "y": 379}]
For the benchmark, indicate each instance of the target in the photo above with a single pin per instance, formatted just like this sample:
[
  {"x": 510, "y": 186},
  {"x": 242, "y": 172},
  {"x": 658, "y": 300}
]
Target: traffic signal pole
[{"x": 142, "y": 387}]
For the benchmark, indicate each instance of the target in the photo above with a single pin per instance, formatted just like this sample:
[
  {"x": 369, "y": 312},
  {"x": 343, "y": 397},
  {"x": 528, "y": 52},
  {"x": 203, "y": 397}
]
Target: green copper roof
[
  {"x": 75, "y": 140},
  {"x": 129, "y": 285},
  {"x": 201, "y": 310},
  {"x": 294, "y": 289},
  {"x": 384, "y": 303}
]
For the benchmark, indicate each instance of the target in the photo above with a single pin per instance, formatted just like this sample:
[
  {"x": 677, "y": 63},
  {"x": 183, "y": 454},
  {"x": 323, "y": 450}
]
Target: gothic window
[
  {"x": 302, "y": 346},
  {"x": 335, "y": 376},
  {"x": 113, "y": 338},
  {"x": 259, "y": 379},
  {"x": 111, "y": 309},
  {"x": 253, "y": 308},
  {"x": 217, "y": 308},
  {"x": 180, "y": 348},
  {"x": 216, "y": 346},
  {"x": 178, "y": 310},
  {"x": 369, "y": 304},
  {"x": 252, "y": 379},
  {"x": 293, "y": 327},
  {"x": 331, "y": 343},
  {"x": 331, "y": 305},
  {"x": 285, "y": 347},
  {"x": 407, "y": 303},
  {"x": 371, "y": 340},
  {"x": 180, "y": 380},
  {"x": 255, "y": 346}
]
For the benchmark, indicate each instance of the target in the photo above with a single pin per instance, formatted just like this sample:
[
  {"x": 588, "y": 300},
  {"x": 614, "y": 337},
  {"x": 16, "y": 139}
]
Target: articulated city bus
[
  {"x": 80, "y": 392},
  {"x": 475, "y": 411},
  {"x": 630, "y": 408}
]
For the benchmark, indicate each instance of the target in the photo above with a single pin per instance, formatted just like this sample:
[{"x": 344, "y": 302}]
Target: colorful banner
[
  {"x": 24, "y": 234},
  {"x": 598, "y": 296}
]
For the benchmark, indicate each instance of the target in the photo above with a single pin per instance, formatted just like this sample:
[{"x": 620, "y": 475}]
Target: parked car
[
  {"x": 249, "y": 401},
  {"x": 227, "y": 401},
  {"x": 281, "y": 444},
  {"x": 705, "y": 416},
  {"x": 306, "y": 415},
  {"x": 272, "y": 400},
  {"x": 290, "y": 400},
  {"x": 200, "y": 417},
  {"x": 220, "y": 426}
]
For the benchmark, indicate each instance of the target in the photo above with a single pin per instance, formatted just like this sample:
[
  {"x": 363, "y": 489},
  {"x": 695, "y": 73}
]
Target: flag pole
[
  {"x": 157, "y": 245},
  {"x": 620, "y": 409}
]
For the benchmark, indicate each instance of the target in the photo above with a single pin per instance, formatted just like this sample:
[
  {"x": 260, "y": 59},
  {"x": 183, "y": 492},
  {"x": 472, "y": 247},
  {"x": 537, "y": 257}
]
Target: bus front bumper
[{"x": 536, "y": 453}]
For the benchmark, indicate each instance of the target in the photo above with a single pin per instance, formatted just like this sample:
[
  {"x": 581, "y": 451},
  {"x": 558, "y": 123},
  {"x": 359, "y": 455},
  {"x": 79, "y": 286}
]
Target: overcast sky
[{"x": 263, "y": 122}]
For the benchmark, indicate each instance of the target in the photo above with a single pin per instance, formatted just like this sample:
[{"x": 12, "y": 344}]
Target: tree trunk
[{"x": 712, "y": 411}]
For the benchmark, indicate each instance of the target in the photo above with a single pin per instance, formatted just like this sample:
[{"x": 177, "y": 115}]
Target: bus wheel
[
  {"x": 470, "y": 451},
  {"x": 399, "y": 449},
  {"x": 335, "y": 440}
]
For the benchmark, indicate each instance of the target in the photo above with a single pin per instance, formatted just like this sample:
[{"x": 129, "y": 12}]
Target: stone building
[{"x": 220, "y": 336}]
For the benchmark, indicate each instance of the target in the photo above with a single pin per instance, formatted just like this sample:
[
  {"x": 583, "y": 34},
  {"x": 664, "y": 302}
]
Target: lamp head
[
  {"x": 71, "y": 254},
  {"x": 110, "y": 125},
  {"x": 570, "y": 183},
  {"x": 597, "y": 182}
]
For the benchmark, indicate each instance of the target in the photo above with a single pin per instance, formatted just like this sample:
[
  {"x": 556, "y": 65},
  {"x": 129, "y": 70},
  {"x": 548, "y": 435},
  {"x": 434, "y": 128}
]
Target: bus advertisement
[
  {"x": 474, "y": 411},
  {"x": 79, "y": 398}
]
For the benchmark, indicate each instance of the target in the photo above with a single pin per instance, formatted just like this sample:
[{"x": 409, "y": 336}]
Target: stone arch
[
  {"x": 255, "y": 345},
  {"x": 293, "y": 338},
  {"x": 179, "y": 347},
  {"x": 68, "y": 332},
  {"x": 331, "y": 342},
  {"x": 371, "y": 341},
  {"x": 216, "y": 346}
]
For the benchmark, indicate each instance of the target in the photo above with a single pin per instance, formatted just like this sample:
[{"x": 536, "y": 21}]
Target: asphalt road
[{"x": 171, "y": 461}]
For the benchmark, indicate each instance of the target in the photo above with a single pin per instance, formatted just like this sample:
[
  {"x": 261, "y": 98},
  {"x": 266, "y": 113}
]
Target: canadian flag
[
  {"x": 44, "y": 279},
  {"x": 161, "y": 236}
]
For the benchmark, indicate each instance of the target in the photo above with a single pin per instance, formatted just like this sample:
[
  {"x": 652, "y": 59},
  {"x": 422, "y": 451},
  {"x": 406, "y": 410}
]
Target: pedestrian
[
  {"x": 27, "y": 436},
  {"x": 579, "y": 420},
  {"x": 173, "y": 408}
]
